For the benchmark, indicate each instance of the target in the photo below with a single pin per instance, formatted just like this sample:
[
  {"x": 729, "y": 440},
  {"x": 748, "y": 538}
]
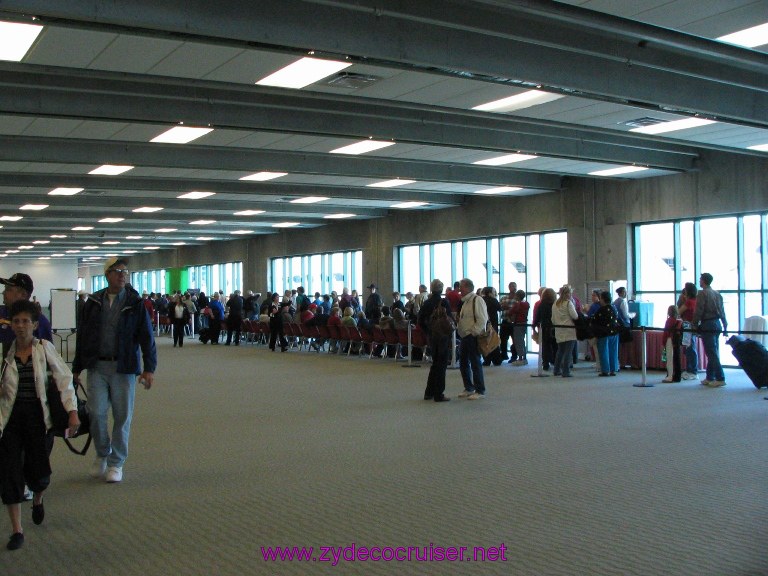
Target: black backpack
[{"x": 440, "y": 324}]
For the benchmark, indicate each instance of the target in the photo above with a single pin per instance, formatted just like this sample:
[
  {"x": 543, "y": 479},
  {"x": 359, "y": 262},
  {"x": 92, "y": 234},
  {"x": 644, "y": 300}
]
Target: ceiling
[{"x": 102, "y": 79}]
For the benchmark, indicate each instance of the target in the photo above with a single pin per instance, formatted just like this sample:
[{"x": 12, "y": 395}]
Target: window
[
  {"x": 209, "y": 278},
  {"x": 322, "y": 273},
  {"x": 732, "y": 249}
]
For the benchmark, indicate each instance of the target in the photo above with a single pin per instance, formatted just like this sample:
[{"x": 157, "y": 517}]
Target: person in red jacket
[{"x": 518, "y": 314}]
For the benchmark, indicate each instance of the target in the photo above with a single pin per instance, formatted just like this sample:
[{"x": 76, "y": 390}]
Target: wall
[
  {"x": 597, "y": 214},
  {"x": 46, "y": 275}
]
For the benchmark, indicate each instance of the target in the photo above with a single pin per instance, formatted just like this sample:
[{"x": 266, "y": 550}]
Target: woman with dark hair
[
  {"x": 494, "y": 308},
  {"x": 25, "y": 417},
  {"x": 605, "y": 326},
  {"x": 178, "y": 313},
  {"x": 276, "y": 323},
  {"x": 686, "y": 306},
  {"x": 542, "y": 325}
]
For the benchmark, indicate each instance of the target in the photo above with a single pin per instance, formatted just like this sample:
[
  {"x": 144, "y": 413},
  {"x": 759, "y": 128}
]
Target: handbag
[
  {"x": 625, "y": 335},
  {"x": 489, "y": 341}
]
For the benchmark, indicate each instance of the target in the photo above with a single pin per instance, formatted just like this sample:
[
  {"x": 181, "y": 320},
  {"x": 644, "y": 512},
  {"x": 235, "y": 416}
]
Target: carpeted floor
[{"x": 239, "y": 448}]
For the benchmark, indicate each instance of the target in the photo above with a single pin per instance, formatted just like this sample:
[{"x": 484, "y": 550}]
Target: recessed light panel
[
  {"x": 204, "y": 238},
  {"x": 749, "y": 38},
  {"x": 202, "y": 222},
  {"x": 33, "y": 207},
  {"x": 147, "y": 209},
  {"x": 111, "y": 220},
  {"x": 163, "y": 230},
  {"x": 196, "y": 195},
  {"x": 110, "y": 170},
  {"x": 506, "y": 159},
  {"x": 248, "y": 212},
  {"x": 41, "y": 242},
  {"x": 303, "y": 73},
  {"x": 390, "y": 183},
  {"x": 338, "y": 216},
  {"x": 11, "y": 218},
  {"x": 181, "y": 135},
  {"x": 310, "y": 200},
  {"x": 82, "y": 228},
  {"x": 408, "y": 205},
  {"x": 65, "y": 191},
  {"x": 498, "y": 190},
  {"x": 16, "y": 40},
  {"x": 134, "y": 237},
  {"x": 285, "y": 225},
  {"x": 759, "y": 147},
  {"x": 518, "y": 101},
  {"x": 362, "y": 147},
  {"x": 241, "y": 232},
  {"x": 619, "y": 170},
  {"x": 264, "y": 176},
  {"x": 683, "y": 124}
]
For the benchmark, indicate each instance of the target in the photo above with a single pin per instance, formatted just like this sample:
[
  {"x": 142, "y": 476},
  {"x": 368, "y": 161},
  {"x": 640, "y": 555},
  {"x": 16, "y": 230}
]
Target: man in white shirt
[{"x": 473, "y": 318}]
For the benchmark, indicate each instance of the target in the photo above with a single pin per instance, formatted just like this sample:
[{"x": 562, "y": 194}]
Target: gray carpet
[{"x": 235, "y": 449}]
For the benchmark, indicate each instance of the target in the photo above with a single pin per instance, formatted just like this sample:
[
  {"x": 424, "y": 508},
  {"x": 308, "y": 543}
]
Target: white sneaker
[
  {"x": 99, "y": 467},
  {"x": 475, "y": 396},
  {"x": 114, "y": 474},
  {"x": 465, "y": 394},
  {"x": 688, "y": 376},
  {"x": 520, "y": 363}
]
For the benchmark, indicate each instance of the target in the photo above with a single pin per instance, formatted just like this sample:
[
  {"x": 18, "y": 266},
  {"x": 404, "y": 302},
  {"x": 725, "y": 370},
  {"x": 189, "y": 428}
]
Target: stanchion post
[
  {"x": 643, "y": 366},
  {"x": 453, "y": 352},
  {"x": 540, "y": 371},
  {"x": 409, "y": 364}
]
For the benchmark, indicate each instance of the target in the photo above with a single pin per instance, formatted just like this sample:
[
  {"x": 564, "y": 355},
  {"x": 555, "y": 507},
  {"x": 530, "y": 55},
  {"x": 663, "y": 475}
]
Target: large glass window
[
  {"x": 149, "y": 280},
  {"x": 322, "y": 273},
  {"x": 531, "y": 260},
  {"x": 209, "y": 278},
  {"x": 732, "y": 249}
]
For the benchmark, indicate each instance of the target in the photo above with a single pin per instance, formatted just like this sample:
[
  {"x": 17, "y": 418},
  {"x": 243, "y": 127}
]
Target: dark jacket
[
  {"x": 425, "y": 312},
  {"x": 134, "y": 335}
]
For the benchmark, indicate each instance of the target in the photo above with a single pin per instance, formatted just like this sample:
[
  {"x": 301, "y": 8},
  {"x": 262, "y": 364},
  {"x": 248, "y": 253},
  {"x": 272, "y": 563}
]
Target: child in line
[{"x": 672, "y": 337}]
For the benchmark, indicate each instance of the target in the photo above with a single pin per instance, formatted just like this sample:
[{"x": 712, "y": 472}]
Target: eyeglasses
[{"x": 123, "y": 271}]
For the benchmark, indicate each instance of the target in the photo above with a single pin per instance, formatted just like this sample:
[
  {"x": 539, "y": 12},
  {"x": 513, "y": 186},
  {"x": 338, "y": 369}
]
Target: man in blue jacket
[{"x": 115, "y": 330}]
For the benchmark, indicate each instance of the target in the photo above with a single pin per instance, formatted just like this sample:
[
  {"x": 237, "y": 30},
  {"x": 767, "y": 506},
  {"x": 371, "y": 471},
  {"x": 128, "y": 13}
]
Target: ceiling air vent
[
  {"x": 351, "y": 80},
  {"x": 642, "y": 122}
]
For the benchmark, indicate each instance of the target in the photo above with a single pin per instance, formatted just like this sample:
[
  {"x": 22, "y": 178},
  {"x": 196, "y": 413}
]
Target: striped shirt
[{"x": 26, "y": 391}]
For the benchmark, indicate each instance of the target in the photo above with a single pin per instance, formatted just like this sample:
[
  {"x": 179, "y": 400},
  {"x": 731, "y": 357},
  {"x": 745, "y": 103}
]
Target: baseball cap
[
  {"x": 113, "y": 262},
  {"x": 372, "y": 286},
  {"x": 20, "y": 280}
]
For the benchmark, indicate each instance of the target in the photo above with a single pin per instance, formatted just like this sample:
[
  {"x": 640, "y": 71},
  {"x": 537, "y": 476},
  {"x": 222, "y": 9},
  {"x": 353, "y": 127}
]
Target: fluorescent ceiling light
[
  {"x": 134, "y": 237},
  {"x": 110, "y": 170},
  {"x": 759, "y": 147},
  {"x": 285, "y": 225},
  {"x": 303, "y": 72},
  {"x": 65, "y": 191},
  {"x": 178, "y": 243},
  {"x": 338, "y": 216},
  {"x": 749, "y": 38},
  {"x": 181, "y": 135},
  {"x": 11, "y": 251},
  {"x": 498, "y": 190},
  {"x": 33, "y": 207},
  {"x": 203, "y": 238},
  {"x": 110, "y": 255},
  {"x": 111, "y": 242},
  {"x": 130, "y": 251},
  {"x": 58, "y": 235},
  {"x": 148, "y": 209},
  {"x": 202, "y": 222},
  {"x": 26, "y": 247},
  {"x": 241, "y": 232},
  {"x": 264, "y": 176},
  {"x": 11, "y": 218},
  {"x": 90, "y": 247},
  {"x": 44, "y": 258},
  {"x": 362, "y": 147},
  {"x": 73, "y": 251},
  {"x": 518, "y": 101},
  {"x": 111, "y": 220},
  {"x": 196, "y": 195},
  {"x": 310, "y": 200},
  {"x": 506, "y": 159},
  {"x": 151, "y": 247},
  {"x": 16, "y": 39},
  {"x": 248, "y": 212},
  {"x": 619, "y": 170},
  {"x": 166, "y": 230},
  {"x": 82, "y": 228},
  {"x": 57, "y": 255},
  {"x": 408, "y": 205},
  {"x": 390, "y": 183},
  {"x": 683, "y": 124},
  {"x": 41, "y": 242}
]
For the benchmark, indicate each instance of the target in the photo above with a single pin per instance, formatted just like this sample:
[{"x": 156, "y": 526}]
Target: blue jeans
[
  {"x": 710, "y": 336},
  {"x": 471, "y": 365},
  {"x": 563, "y": 358},
  {"x": 107, "y": 388},
  {"x": 692, "y": 357},
  {"x": 608, "y": 350}
]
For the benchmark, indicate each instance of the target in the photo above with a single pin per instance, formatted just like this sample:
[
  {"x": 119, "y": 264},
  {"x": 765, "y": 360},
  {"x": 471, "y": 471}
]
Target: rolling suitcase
[{"x": 753, "y": 359}]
